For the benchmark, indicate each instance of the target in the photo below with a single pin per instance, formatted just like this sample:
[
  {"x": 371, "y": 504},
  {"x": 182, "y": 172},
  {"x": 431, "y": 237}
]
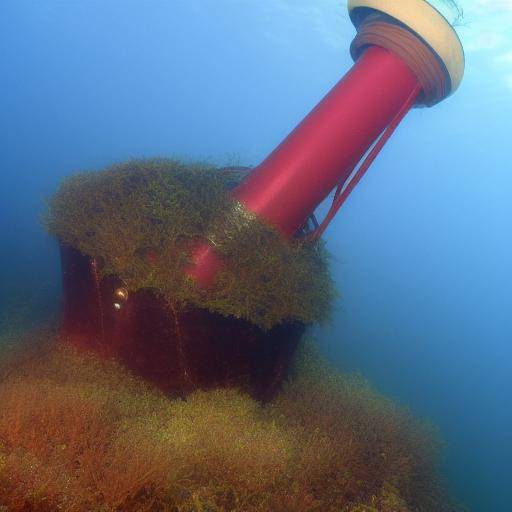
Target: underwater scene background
[{"x": 420, "y": 252}]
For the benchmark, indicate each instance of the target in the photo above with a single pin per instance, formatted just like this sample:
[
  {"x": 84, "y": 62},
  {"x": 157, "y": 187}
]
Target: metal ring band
[{"x": 381, "y": 30}]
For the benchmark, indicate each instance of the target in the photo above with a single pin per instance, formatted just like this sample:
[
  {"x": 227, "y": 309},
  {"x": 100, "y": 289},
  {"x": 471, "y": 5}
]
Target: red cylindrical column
[{"x": 322, "y": 150}]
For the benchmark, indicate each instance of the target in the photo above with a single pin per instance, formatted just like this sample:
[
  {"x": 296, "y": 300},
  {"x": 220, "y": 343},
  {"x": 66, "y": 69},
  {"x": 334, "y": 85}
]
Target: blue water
[{"x": 422, "y": 249}]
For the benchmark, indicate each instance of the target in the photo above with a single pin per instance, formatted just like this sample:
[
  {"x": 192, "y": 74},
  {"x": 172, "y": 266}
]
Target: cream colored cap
[{"x": 425, "y": 21}]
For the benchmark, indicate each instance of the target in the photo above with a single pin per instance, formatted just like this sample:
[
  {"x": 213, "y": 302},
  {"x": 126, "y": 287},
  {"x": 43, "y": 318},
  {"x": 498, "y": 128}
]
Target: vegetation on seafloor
[
  {"x": 140, "y": 219},
  {"x": 81, "y": 434}
]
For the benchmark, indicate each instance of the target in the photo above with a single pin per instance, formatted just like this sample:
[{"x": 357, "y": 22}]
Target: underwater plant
[
  {"x": 78, "y": 433},
  {"x": 140, "y": 219}
]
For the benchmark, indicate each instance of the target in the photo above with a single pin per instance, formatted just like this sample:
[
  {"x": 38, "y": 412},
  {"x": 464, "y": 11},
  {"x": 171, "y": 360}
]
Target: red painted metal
[
  {"x": 328, "y": 143},
  {"x": 344, "y": 189},
  {"x": 178, "y": 349},
  {"x": 322, "y": 150},
  {"x": 187, "y": 349}
]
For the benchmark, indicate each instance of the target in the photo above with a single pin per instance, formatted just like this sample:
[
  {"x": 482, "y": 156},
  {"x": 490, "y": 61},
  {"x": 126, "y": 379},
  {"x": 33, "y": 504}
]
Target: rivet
[{"x": 121, "y": 293}]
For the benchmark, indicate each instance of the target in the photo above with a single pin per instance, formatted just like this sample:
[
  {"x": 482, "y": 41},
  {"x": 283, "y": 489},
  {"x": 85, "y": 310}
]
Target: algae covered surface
[
  {"x": 78, "y": 433},
  {"x": 140, "y": 219},
  {"x": 82, "y": 434}
]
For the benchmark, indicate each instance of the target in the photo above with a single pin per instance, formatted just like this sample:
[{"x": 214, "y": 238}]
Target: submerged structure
[
  {"x": 126, "y": 234},
  {"x": 202, "y": 280},
  {"x": 194, "y": 279}
]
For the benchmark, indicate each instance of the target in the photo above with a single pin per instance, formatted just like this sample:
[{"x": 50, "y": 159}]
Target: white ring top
[{"x": 428, "y": 23}]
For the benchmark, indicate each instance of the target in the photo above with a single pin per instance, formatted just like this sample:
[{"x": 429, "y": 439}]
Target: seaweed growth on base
[
  {"x": 140, "y": 220},
  {"x": 79, "y": 434}
]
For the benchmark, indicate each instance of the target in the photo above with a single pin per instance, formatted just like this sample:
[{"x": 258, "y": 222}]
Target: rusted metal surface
[{"x": 178, "y": 350}]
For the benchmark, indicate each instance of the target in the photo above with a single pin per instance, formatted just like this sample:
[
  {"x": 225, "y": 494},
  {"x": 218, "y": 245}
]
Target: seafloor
[{"x": 81, "y": 434}]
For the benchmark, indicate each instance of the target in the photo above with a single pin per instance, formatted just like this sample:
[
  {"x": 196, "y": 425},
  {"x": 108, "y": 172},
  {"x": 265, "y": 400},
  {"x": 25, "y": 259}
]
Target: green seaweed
[
  {"x": 140, "y": 219},
  {"x": 78, "y": 433}
]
